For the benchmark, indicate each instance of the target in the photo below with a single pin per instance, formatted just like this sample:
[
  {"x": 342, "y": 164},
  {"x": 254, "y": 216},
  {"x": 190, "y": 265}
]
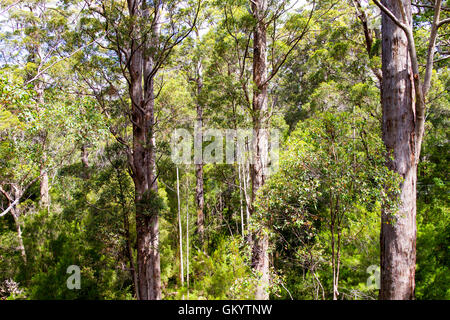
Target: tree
[
  {"x": 93, "y": 92},
  {"x": 263, "y": 17},
  {"x": 33, "y": 22},
  {"x": 142, "y": 42},
  {"x": 403, "y": 96}
]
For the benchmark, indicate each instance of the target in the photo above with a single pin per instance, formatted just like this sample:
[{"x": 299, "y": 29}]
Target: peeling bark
[{"x": 398, "y": 230}]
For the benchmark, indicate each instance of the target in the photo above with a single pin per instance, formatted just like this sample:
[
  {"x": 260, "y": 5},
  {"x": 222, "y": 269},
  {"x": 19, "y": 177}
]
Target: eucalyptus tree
[
  {"x": 34, "y": 36},
  {"x": 265, "y": 34},
  {"x": 137, "y": 38},
  {"x": 194, "y": 55},
  {"x": 22, "y": 148},
  {"x": 404, "y": 93}
]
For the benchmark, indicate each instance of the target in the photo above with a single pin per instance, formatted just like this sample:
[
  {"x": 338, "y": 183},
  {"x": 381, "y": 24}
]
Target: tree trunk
[
  {"x": 199, "y": 198},
  {"x": 84, "y": 162},
  {"x": 187, "y": 239},
  {"x": 246, "y": 182},
  {"x": 240, "y": 200},
  {"x": 199, "y": 195},
  {"x": 398, "y": 230},
  {"x": 45, "y": 198},
  {"x": 180, "y": 230},
  {"x": 35, "y": 56},
  {"x": 44, "y": 188},
  {"x": 147, "y": 224},
  {"x": 143, "y": 159},
  {"x": 260, "y": 257},
  {"x": 15, "y": 213}
]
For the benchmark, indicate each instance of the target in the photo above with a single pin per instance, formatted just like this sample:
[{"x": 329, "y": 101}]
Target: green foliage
[
  {"x": 433, "y": 215},
  {"x": 331, "y": 181},
  {"x": 222, "y": 273},
  {"x": 65, "y": 109},
  {"x": 150, "y": 204}
]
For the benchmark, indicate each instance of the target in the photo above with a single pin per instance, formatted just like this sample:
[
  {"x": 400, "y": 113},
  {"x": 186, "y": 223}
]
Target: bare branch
[
  {"x": 367, "y": 35},
  {"x": 388, "y": 12},
  {"x": 9, "y": 7},
  {"x": 295, "y": 43},
  {"x": 442, "y": 22},
  {"x": 431, "y": 45},
  {"x": 62, "y": 59},
  {"x": 419, "y": 5},
  {"x": 10, "y": 207}
]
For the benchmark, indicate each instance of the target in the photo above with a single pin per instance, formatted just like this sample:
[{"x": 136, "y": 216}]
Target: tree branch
[
  {"x": 62, "y": 59},
  {"x": 10, "y": 207},
  {"x": 442, "y": 22},
  {"x": 431, "y": 45},
  {"x": 388, "y": 12}
]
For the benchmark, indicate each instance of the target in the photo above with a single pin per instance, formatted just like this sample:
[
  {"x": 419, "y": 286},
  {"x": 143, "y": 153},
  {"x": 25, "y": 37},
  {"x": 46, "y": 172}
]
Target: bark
[
  {"x": 246, "y": 182},
  {"x": 199, "y": 192},
  {"x": 398, "y": 230},
  {"x": 200, "y": 201},
  {"x": 143, "y": 157},
  {"x": 404, "y": 106},
  {"x": 333, "y": 250},
  {"x": 260, "y": 257}
]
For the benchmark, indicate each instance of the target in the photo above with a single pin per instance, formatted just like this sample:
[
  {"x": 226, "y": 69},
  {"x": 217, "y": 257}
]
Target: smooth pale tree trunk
[
  {"x": 260, "y": 244},
  {"x": 15, "y": 213},
  {"x": 14, "y": 197},
  {"x": 180, "y": 231},
  {"x": 44, "y": 187},
  {"x": 240, "y": 200},
  {"x": 85, "y": 162},
  {"x": 35, "y": 56},
  {"x": 187, "y": 241},
  {"x": 246, "y": 182},
  {"x": 398, "y": 231}
]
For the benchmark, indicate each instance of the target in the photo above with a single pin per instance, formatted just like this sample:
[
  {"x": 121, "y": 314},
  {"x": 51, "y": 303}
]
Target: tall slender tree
[
  {"x": 142, "y": 36},
  {"x": 260, "y": 255},
  {"x": 403, "y": 96}
]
